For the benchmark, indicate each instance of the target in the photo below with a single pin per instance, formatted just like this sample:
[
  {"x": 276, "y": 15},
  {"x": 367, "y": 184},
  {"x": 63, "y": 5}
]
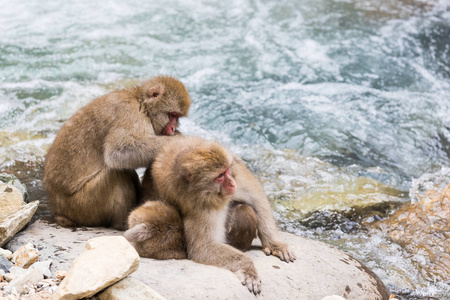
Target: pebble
[
  {"x": 44, "y": 266},
  {"x": 13, "y": 273},
  {"x": 5, "y": 264},
  {"x": 60, "y": 274},
  {"x": 25, "y": 256},
  {"x": 23, "y": 283},
  {"x": 6, "y": 253},
  {"x": 17, "y": 282}
]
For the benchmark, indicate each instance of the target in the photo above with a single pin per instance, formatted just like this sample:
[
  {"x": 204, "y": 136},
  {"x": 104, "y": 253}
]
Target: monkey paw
[
  {"x": 280, "y": 250},
  {"x": 250, "y": 280}
]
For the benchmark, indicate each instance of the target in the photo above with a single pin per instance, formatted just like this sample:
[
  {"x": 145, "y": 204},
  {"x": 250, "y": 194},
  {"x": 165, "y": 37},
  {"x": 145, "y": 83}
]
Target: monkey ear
[
  {"x": 185, "y": 174},
  {"x": 138, "y": 233},
  {"x": 155, "y": 92}
]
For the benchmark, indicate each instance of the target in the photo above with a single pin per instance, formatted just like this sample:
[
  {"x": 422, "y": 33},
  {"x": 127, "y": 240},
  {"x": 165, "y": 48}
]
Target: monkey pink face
[
  {"x": 172, "y": 125},
  {"x": 227, "y": 182}
]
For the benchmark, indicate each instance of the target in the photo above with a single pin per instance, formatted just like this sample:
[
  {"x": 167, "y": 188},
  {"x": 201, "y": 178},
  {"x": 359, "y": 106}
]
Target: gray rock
[
  {"x": 5, "y": 264},
  {"x": 129, "y": 289},
  {"x": 12, "y": 180},
  {"x": 319, "y": 271},
  {"x": 24, "y": 281},
  {"x": 44, "y": 266},
  {"x": 14, "y": 222}
]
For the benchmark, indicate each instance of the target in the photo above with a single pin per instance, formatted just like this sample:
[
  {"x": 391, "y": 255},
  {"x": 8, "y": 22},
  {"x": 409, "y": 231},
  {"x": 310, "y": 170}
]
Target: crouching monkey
[
  {"x": 200, "y": 179},
  {"x": 89, "y": 172}
]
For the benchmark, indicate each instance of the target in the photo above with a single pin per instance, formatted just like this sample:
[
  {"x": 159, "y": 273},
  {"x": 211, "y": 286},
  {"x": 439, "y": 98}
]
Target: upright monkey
[
  {"x": 200, "y": 178},
  {"x": 89, "y": 172}
]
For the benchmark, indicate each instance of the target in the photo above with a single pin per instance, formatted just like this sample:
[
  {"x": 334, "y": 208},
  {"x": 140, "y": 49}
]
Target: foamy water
[{"x": 321, "y": 98}]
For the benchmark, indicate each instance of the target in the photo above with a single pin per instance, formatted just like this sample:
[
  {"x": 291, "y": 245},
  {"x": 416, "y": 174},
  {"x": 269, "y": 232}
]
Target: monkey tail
[{"x": 138, "y": 233}]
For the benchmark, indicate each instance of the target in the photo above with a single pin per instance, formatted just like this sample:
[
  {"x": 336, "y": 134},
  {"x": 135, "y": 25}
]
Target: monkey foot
[
  {"x": 64, "y": 222},
  {"x": 252, "y": 282},
  {"x": 280, "y": 250}
]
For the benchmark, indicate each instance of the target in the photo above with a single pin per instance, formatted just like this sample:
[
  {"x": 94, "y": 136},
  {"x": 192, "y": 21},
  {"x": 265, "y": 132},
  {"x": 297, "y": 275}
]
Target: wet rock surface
[
  {"x": 319, "y": 271},
  {"x": 422, "y": 228}
]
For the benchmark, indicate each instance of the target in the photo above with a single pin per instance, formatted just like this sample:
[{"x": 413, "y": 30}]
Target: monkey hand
[
  {"x": 250, "y": 279},
  {"x": 280, "y": 250}
]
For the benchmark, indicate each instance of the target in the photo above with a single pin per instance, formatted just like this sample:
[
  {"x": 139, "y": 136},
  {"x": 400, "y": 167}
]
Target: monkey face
[
  {"x": 227, "y": 184},
  {"x": 165, "y": 122},
  {"x": 165, "y": 100},
  {"x": 169, "y": 129}
]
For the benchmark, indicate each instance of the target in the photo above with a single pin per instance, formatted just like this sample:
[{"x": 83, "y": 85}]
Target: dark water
[{"x": 333, "y": 104}]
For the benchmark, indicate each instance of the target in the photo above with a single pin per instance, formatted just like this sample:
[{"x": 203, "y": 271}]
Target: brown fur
[
  {"x": 89, "y": 172},
  {"x": 183, "y": 176},
  {"x": 156, "y": 231},
  {"x": 241, "y": 226}
]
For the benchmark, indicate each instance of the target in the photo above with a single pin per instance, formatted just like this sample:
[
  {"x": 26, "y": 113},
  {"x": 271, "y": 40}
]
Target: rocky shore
[{"x": 46, "y": 260}]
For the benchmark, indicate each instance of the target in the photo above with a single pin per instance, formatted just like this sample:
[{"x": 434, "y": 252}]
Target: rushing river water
[{"x": 333, "y": 104}]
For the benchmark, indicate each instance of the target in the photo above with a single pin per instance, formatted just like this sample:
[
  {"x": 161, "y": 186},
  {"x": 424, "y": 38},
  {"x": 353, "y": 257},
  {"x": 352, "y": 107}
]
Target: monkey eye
[
  {"x": 220, "y": 177},
  {"x": 174, "y": 115},
  {"x": 155, "y": 94}
]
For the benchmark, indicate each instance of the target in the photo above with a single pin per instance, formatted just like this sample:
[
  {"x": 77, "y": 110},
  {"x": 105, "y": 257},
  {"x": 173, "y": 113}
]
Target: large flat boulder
[{"x": 320, "y": 270}]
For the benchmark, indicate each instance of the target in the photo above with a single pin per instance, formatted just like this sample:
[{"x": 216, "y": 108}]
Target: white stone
[
  {"x": 333, "y": 297},
  {"x": 24, "y": 281},
  {"x": 44, "y": 266},
  {"x": 14, "y": 272},
  {"x": 6, "y": 253},
  {"x": 129, "y": 289},
  {"x": 105, "y": 261},
  {"x": 14, "y": 222}
]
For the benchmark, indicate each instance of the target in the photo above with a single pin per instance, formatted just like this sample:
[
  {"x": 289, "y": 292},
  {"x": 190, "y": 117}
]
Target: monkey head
[
  {"x": 207, "y": 172},
  {"x": 164, "y": 99}
]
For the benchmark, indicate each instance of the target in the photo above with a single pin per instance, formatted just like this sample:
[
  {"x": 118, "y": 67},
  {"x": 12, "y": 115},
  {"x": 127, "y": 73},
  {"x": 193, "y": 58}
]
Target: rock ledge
[{"x": 320, "y": 270}]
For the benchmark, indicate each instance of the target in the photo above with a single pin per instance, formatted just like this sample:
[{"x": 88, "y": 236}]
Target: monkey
[
  {"x": 89, "y": 170},
  {"x": 156, "y": 231},
  {"x": 200, "y": 179},
  {"x": 241, "y": 224}
]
